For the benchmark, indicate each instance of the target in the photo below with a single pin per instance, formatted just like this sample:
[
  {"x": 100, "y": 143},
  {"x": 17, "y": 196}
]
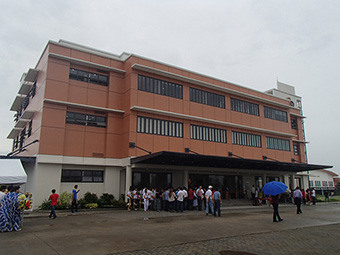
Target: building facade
[
  {"x": 107, "y": 122},
  {"x": 323, "y": 181}
]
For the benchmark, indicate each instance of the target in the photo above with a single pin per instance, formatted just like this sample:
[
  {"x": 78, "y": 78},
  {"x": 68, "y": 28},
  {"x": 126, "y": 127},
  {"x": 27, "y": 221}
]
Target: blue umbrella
[{"x": 274, "y": 188}]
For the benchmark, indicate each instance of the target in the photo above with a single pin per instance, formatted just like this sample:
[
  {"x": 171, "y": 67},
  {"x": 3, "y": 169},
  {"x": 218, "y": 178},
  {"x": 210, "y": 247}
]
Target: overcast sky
[{"x": 250, "y": 43}]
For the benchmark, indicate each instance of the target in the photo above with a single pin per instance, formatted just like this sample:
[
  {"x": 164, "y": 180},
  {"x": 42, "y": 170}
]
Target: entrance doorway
[
  {"x": 231, "y": 185},
  {"x": 151, "y": 180}
]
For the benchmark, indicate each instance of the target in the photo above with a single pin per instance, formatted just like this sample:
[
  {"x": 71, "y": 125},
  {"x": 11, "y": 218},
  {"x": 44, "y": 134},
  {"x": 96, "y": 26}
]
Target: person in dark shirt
[{"x": 275, "y": 203}]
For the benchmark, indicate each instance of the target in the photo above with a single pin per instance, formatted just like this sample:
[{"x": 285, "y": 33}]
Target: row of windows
[
  {"x": 85, "y": 119},
  {"x": 208, "y": 98},
  {"x": 324, "y": 184},
  {"x": 278, "y": 144},
  {"x": 85, "y": 76},
  {"x": 244, "y": 107},
  {"x": 175, "y": 129},
  {"x": 160, "y": 87},
  {"x": 246, "y": 139},
  {"x": 82, "y": 176},
  {"x": 275, "y": 114},
  {"x": 208, "y": 134},
  {"x": 159, "y": 127}
]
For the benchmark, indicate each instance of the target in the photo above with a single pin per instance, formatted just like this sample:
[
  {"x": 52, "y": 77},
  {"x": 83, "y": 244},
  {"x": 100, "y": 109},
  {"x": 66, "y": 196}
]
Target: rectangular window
[
  {"x": 311, "y": 184},
  {"x": 159, "y": 127},
  {"x": 208, "y": 134},
  {"x": 317, "y": 183},
  {"x": 275, "y": 114},
  {"x": 294, "y": 123},
  {"x": 330, "y": 184},
  {"x": 29, "y": 131},
  {"x": 85, "y": 76},
  {"x": 160, "y": 87},
  {"x": 244, "y": 107},
  {"x": 246, "y": 139},
  {"x": 208, "y": 98},
  {"x": 85, "y": 119},
  {"x": 82, "y": 176},
  {"x": 22, "y": 138},
  {"x": 296, "y": 149},
  {"x": 278, "y": 144},
  {"x": 324, "y": 183}
]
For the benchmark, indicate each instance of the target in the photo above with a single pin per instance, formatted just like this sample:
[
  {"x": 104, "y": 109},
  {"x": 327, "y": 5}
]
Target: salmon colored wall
[{"x": 60, "y": 138}]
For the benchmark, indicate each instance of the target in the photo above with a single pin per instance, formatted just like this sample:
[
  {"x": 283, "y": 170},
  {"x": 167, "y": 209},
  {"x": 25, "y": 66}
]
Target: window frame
[
  {"x": 207, "y": 98},
  {"x": 89, "y": 77},
  {"x": 154, "y": 126},
  {"x": 82, "y": 176}
]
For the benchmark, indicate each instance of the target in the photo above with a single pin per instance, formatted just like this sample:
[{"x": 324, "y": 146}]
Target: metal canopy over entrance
[{"x": 186, "y": 159}]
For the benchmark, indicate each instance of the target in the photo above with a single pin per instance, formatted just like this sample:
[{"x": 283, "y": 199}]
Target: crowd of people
[
  {"x": 175, "y": 200},
  {"x": 10, "y": 217}
]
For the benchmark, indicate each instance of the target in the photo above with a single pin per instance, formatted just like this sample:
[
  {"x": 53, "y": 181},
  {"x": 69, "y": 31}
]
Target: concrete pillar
[
  {"x": 185, "y": 178},
  {"x": 286, "y": 180},
  {"x": 264, "y": 179},
  {"x": 292, "y": 182},
  {"x": 128, "y": 180}
]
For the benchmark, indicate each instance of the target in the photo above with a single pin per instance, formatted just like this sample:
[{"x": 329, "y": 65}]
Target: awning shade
[
  {"x": 12, "y": 172},
  {"x": 186, "y": 159}
]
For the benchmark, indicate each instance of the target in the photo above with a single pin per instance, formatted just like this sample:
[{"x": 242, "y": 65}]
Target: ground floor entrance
[{"x": 230, "y": 185}]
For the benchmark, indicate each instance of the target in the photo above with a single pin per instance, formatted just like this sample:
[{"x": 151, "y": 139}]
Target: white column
[
  {"x": 128, "y": 180},
  {"x": 286, "y": 179},
  {"x": 185, "y": 178},
  {"x": 264, "y": 179}
]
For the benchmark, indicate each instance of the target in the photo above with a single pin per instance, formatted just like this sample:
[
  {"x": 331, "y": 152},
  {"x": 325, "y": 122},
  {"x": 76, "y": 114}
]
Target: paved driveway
[{"x": 246, "y": 229}]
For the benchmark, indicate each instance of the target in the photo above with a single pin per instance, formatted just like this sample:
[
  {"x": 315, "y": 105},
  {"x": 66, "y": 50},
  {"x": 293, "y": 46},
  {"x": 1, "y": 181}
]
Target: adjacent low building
[{"x": 107, "y": 122}]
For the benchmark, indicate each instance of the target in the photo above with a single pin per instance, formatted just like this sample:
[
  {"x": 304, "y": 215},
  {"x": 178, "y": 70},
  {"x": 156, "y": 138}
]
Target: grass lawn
[{"x": 320, "y": 198}]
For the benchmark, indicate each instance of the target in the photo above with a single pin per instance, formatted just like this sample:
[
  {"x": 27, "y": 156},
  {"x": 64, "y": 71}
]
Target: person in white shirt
[
  {"x": 209, "y": 200},
  {"x": 135, "y": 199},
  {"x": 146, "y": 197},
  {"x": 313, "y": 195},
  {"x": 180, "y": 199}
]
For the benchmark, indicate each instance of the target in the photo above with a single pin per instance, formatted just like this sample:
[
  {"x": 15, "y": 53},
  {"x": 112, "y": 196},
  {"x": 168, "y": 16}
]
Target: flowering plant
[{"x": 24, "y": 201}]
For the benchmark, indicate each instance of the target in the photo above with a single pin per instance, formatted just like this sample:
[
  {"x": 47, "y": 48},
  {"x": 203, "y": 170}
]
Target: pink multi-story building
[{"x": 107, "y": 122}]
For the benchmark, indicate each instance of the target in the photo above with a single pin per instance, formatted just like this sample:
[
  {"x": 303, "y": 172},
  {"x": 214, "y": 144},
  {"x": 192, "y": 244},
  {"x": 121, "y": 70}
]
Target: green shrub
[
  {"x": 65, "y": 199},
  {"x": 90, "y": 198},
  {"x": 45, "y": 205},
  {"x": 91, "y": 206},
  {"x": 105, "y": 199}
]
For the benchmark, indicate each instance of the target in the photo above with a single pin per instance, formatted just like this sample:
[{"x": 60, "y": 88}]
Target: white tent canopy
[{"x": 12, "y": 172}]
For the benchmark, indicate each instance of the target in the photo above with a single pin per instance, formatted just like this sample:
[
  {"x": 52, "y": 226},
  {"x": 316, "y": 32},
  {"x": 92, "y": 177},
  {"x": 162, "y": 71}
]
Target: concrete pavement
[{"x": 241, "y": 228}]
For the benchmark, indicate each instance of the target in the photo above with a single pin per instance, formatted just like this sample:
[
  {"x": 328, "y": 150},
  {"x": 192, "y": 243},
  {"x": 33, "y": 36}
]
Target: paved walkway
[{"x": 241, "y": 228}]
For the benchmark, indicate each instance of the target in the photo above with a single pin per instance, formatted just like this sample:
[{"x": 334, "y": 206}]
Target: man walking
[
  {"x": 297, "y": 199},
  {"x": 74, "y": 206},
  {"x": 209, "y": 198},
  {"x": 313, "y": 195},
  {"x": 218, "y": 202},
  {"x": 54, "y": 198},
  {"x": 180, "y": 199},
  {"x": 199, "y": 198}
]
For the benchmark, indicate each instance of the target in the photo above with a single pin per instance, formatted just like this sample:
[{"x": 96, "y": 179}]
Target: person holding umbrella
[{"x": 274, "y": 189}]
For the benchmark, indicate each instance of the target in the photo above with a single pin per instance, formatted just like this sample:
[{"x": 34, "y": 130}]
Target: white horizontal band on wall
[{"x": 83, "y": 106}]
